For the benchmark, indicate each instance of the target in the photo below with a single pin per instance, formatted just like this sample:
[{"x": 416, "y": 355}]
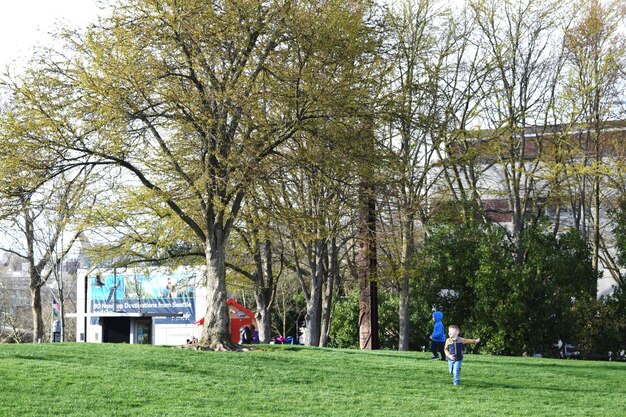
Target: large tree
[
  {"x": 258, "y": 255},
  {"x": 314, "y": 208},
  {"x": 426, "y": 45},
  {"x": 188, "y": 97},
  {"x": 596, "y": 51},
  {"x": 520, "y": 41},
  {"x": 40, "y": 216}
]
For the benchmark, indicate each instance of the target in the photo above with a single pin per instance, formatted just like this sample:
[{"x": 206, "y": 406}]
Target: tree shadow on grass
[
  {"x": 279, "y": 348},
  {"x": 578, "y": 365},
  {"x": 31, "y": 357},
  {"x": 397, "y": 355},
  {"x": 513, "y": 386}
]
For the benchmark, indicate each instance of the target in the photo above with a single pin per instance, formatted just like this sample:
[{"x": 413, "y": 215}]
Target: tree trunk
[
  {"x": 34, "y": 276},
  {"x": 584, "y": 215},
  {"x": 330, "y": 287},
  {"x": 595, "y": 261},
  {"x": 518, "y": 219},
  {"x": 35, "y": 297},
  {"x": 263, "y": 316},
  {"x": 216, "y": 328},
  {"x": 264, "y": 286},
  {"x": 314, "y": 302},
  {"x": 403, "y": 343},
  {"x": 62, "y": 310},
  {"x": 407, "y": 254},
  {"x": 596, "y": 199},
  {"x": 313, "y": 316}
]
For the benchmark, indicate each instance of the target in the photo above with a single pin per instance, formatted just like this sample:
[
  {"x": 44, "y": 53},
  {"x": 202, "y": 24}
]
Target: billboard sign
[{"x": 172, "y": 295}]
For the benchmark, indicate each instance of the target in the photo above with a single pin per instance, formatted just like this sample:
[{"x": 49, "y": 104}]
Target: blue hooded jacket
[{"x": 438, "y": 331}]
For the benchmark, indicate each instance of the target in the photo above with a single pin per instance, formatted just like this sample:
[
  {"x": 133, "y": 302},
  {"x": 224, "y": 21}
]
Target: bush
[
  {"x": 601, "y": 324},
  {"x": 344, "y": 326},
  {"x": 468, "y": 271}
]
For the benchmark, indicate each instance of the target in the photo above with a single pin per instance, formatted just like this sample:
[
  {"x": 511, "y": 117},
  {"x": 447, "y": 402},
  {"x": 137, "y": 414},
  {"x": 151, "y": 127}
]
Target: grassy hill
[{"x": 131, "y": 380}]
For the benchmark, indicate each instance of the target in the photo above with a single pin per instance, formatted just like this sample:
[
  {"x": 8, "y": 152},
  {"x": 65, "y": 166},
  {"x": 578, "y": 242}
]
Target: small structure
[
  {"x": 239, "y": 317},
  {"x": 147, "y": 306},
  {"x": 139, "y": 306}
]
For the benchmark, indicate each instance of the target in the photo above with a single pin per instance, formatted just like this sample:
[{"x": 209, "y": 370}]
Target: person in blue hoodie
[{"x": 438, "y": 338}]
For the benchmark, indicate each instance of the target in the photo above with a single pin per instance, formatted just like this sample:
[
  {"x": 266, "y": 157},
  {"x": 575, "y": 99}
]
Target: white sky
[{"x": 26, "y": 23}]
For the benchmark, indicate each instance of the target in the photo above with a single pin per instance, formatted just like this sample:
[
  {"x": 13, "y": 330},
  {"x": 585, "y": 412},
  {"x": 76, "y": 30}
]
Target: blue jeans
[{"x": 454, "y": 367}]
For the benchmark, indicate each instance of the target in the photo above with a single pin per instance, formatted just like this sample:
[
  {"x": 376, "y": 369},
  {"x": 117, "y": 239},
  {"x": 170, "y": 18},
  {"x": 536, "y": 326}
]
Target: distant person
[
  {"x": 454, "y": 352},
  {"x": 245, "y": 335},
  {"x": 170, "y": 289},
  {"x": 438, "y": 337}
]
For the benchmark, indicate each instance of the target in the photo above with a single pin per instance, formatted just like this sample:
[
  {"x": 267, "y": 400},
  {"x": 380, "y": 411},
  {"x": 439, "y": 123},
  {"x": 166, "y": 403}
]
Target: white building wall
[{"x": 174, "y": 335}]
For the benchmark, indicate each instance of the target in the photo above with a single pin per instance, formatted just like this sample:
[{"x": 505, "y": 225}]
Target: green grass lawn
[{"x": 131, "y": 380}]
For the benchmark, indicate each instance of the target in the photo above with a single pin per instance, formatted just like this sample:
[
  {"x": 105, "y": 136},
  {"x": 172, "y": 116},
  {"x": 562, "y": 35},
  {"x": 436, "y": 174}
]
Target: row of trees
[{"x": 330, "y": 144}]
